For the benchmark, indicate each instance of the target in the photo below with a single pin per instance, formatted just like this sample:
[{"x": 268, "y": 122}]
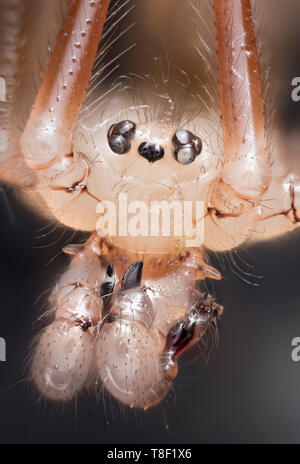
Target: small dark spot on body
[
  {"x": 110, "y": 318},
  {"x": 292, "y": 194},
  {"x": 75, "y": 186},
  {"x": 84, "y": 325}
]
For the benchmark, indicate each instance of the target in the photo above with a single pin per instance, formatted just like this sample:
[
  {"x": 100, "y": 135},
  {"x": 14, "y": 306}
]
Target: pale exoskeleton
[{"x": 127, "y": 306}]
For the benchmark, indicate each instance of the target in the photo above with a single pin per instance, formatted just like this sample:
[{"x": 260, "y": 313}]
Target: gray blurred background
[{"x": 249, "y": 392}]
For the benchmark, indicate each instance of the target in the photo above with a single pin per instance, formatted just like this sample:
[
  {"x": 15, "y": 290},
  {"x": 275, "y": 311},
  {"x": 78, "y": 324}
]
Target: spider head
[{"x": 149, "y": 160}]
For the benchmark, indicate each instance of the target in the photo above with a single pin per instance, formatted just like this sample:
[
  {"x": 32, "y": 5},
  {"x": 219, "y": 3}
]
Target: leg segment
[
  {"x": 12, "y": 57},
  {"x": 279, "y": 208},
  {"x": 246, "y": 168},
  {"x": 48, "y": 134},
  {"x": 46, "y": 143},
  {"x": 234, "y": 200}
]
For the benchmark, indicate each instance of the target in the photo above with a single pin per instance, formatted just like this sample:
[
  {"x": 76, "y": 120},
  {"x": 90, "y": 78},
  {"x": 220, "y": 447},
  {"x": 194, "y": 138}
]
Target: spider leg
[
  {"x": 12, "y": 167},
  {"x": 246, "y": 173},
  {"x": 246, "y": 165},
  {"x": 46, "y": 143}
]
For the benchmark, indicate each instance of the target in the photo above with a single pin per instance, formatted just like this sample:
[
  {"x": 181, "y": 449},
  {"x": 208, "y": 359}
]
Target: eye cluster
[
  {"x": 119, "y": 136},
  {"x": 186, "y": 145}
]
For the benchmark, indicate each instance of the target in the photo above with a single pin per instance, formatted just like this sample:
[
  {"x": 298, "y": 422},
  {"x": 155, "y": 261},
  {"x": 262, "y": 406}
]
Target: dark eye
[
  {"x": 119, "y": 136},
  {"x": 151, "y": 151},
  {"x": 187, "y": 146}
]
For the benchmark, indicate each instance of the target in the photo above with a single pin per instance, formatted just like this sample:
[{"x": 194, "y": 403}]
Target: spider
[{"x": 128, "y": 305}]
